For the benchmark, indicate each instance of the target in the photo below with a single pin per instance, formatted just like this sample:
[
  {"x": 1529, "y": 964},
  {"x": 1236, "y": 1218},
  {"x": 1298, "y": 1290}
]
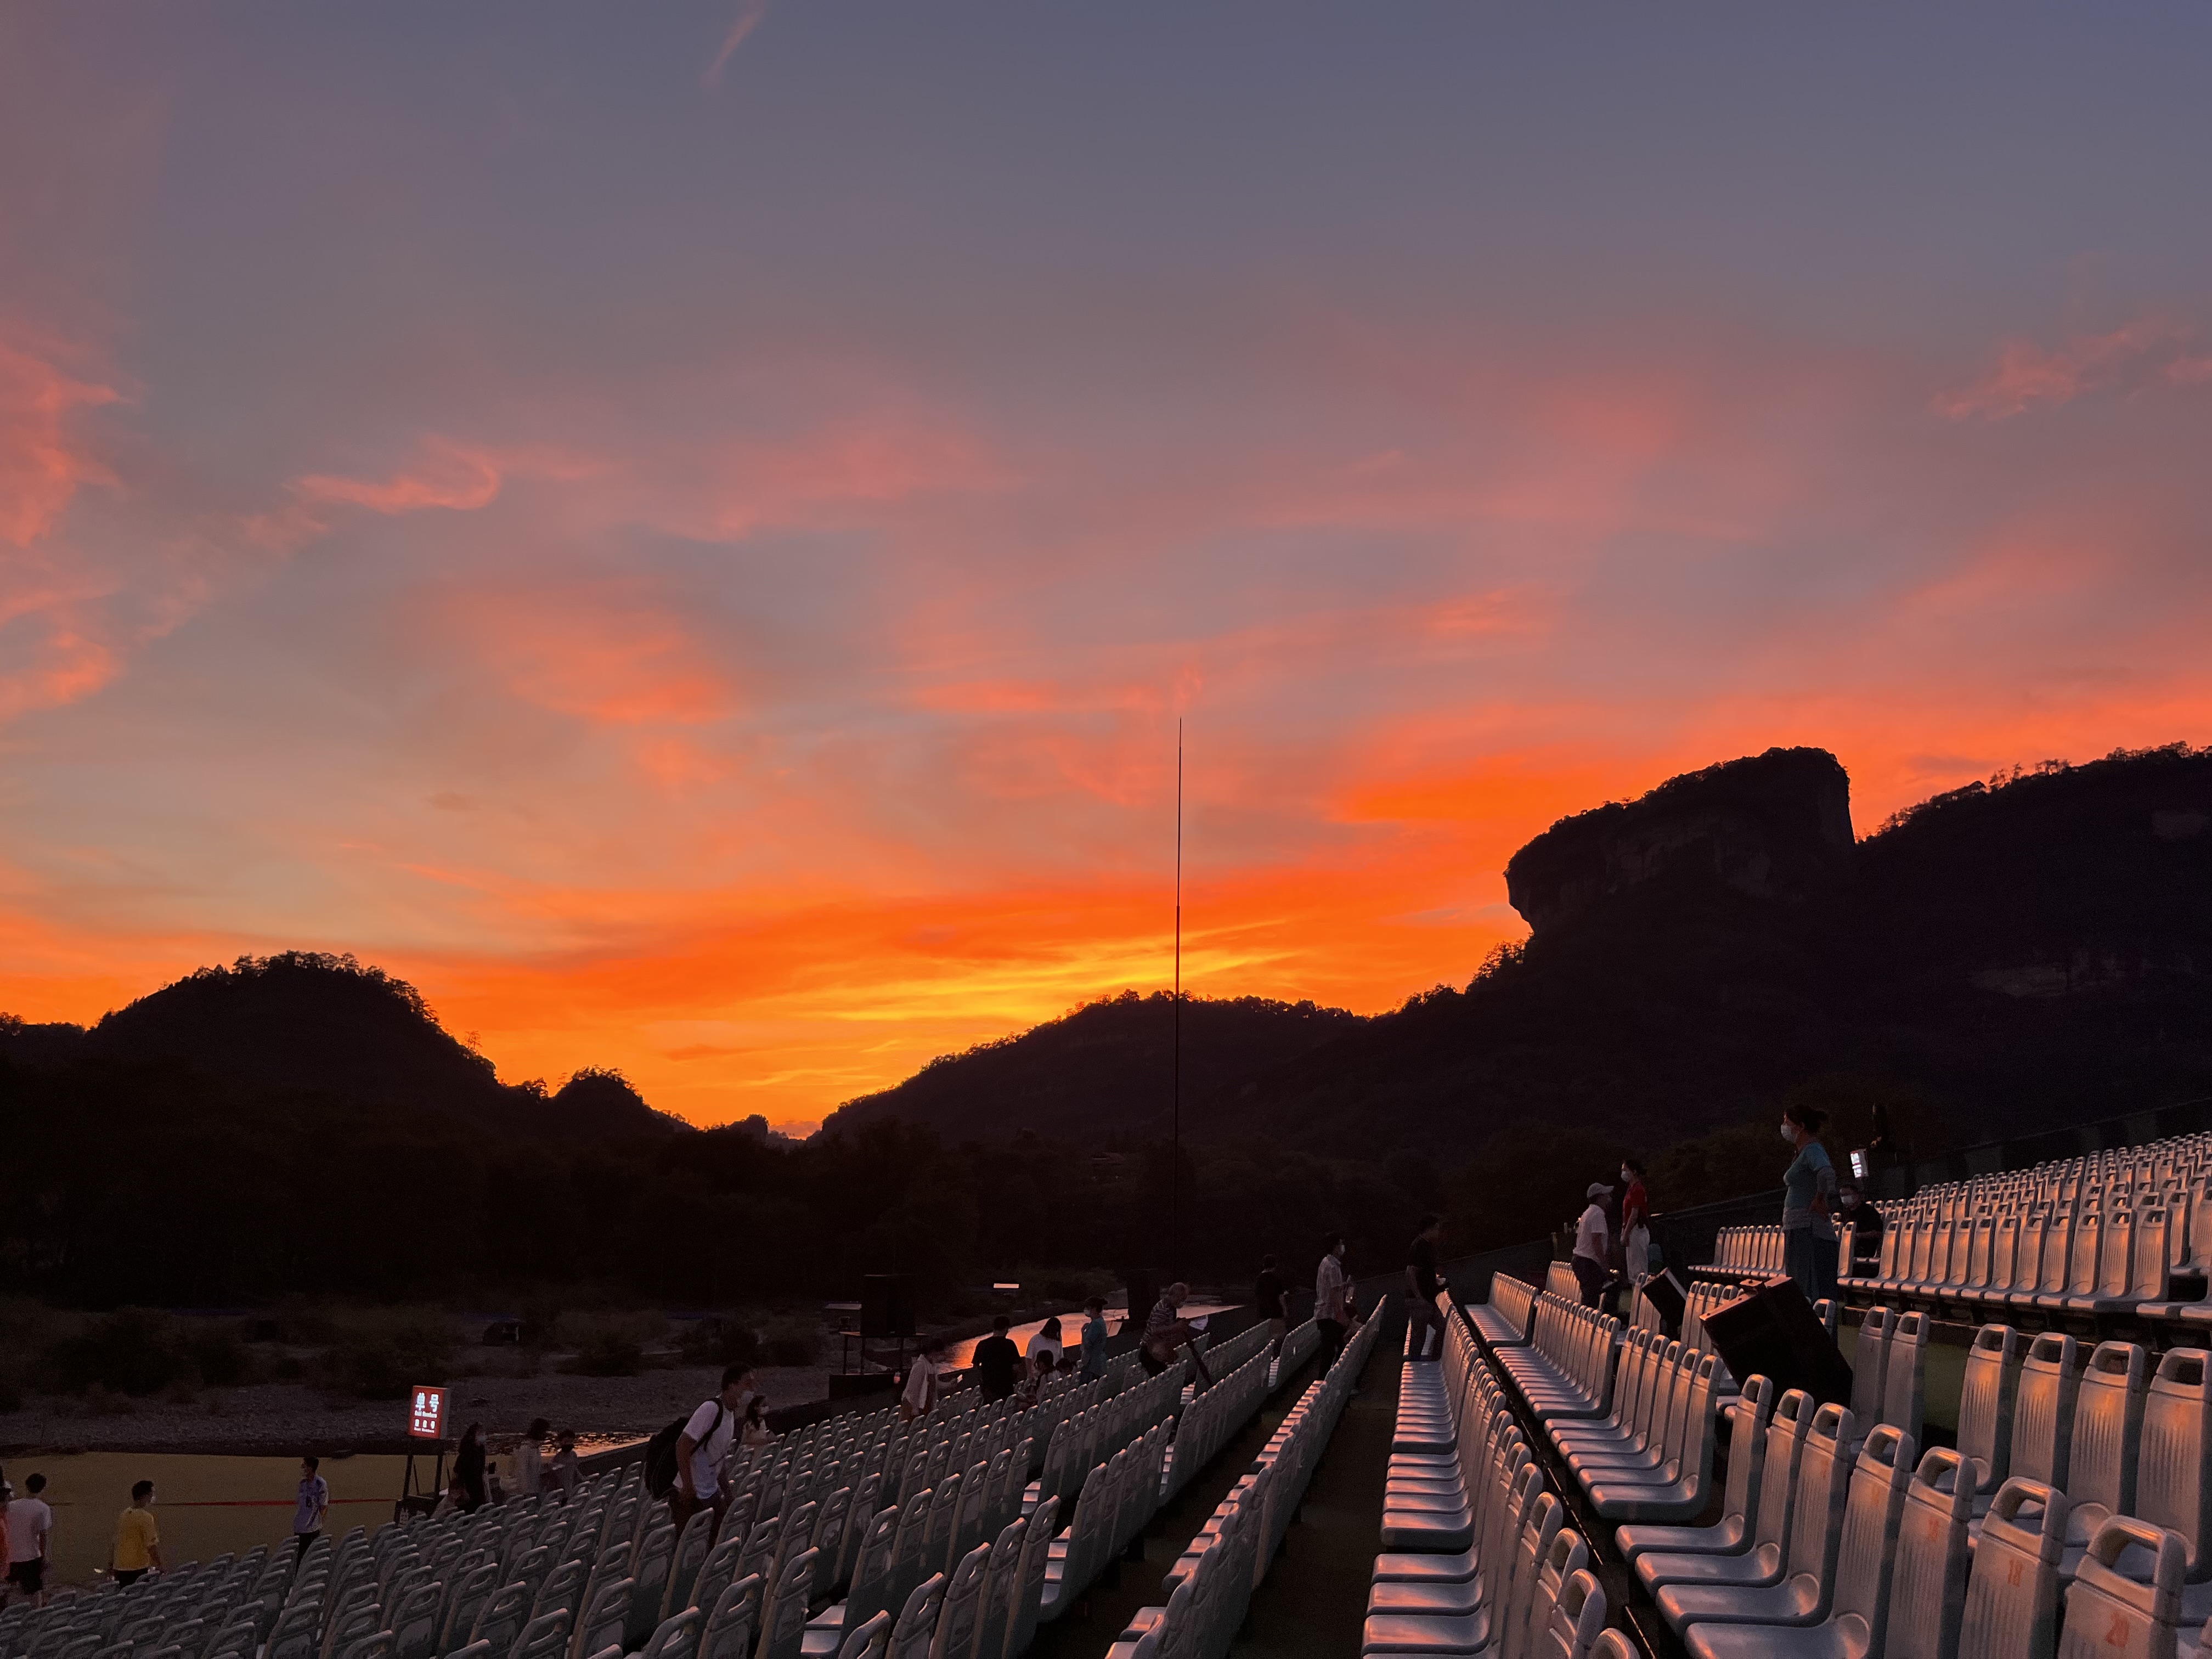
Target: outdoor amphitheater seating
[
  {"x": 1211, "y": 1582},
  {"x": 927, "y": 1541}
]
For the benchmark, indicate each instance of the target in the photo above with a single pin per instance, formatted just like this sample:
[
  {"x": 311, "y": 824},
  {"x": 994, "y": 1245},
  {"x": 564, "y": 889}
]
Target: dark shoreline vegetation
[{"x": 299, "y": 1130}]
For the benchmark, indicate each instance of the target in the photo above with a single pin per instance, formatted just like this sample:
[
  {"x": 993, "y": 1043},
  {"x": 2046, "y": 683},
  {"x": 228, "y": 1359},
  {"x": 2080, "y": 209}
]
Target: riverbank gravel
[{"x": 288, "y": 1416}]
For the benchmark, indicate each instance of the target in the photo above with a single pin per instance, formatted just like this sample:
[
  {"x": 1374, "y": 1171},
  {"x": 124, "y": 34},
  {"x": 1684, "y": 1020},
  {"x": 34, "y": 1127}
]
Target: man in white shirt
[
  {"x": 921, "y": 1380},
  {"x": 30, "y": 1524},
  {"x": 1332, "y": 1299},
  {"x": 704, "y": 1446},
  {"x": 1593, "y": 1246}
]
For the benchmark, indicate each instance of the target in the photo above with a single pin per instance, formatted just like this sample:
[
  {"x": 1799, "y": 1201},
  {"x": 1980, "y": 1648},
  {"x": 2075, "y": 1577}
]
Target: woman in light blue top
[{"x": 1808, "y": 1203}]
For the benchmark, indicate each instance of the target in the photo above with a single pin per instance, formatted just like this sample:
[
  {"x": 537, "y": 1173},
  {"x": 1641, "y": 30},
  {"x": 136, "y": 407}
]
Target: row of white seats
[
  {"x": 1820, "y": 1552},
  {"x": 2100, "y": 1260},
  {"x": 1744, "y": 1252},
  {"x": 1211, "y": 1583},
  {"x": 1476, "y": 1558}
]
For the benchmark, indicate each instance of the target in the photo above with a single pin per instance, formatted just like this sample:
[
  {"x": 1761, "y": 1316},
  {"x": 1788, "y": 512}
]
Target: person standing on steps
[
  {"x": 1635, "y": 1222},
  {"x": 704, "y": 1446},
  {"x": 1332, "y": 1299},
  {"x": 1423, "y": 1288},
  {"x": 1267, "y": 1291},
  {"x": 469, "y": 1466},
  {"x": 1592, "y": 1244},
  {"x": 30, "y": 1535},
  {"x": 997, "y": 1361},
  {"x": 1095, "y": 1335},
  {"x": 314, "y": 1503},
  {"x": 138, "y": 1541},
  {"x": 1808, "y": 1199},
  {"x": 922, "y": 1377}
]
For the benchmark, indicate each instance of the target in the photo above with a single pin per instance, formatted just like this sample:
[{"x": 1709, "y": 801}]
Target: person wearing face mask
[
  {"x": 1635, "y": 1222},
  {"x": 1854, "y": 1212},
  {"x": 1808, "y": 1192}
]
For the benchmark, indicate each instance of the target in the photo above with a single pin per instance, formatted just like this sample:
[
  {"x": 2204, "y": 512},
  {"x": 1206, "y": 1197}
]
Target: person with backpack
[{"x": 703, "y": 1445}]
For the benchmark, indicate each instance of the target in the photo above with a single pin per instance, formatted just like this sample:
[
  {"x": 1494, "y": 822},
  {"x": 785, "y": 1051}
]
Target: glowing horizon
[{"x": 686, "y": 536}]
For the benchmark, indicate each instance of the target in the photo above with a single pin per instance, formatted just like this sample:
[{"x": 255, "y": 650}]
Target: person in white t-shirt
[
  {"x": 1047, "y": 1340},
  {"x": 1593, "y": 1246},
  {"x": 30, "y": 1525},
  {"x": 921, "y": 1380},
  {"x": 704, "y": 1447}
]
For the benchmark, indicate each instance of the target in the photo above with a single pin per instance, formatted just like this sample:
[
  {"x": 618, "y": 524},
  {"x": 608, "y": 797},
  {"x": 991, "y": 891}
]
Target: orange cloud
[{"x": 43, "y": 463}]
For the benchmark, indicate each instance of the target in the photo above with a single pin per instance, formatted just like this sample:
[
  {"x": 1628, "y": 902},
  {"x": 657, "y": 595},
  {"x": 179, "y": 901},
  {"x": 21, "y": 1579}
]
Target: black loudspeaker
[
  {"x": 1144, "y": 1288},
  {"x": 1770, "y": 1332},
  {"x": 886, "y": 1304},
  {"x": 1664, "y": 1291}
]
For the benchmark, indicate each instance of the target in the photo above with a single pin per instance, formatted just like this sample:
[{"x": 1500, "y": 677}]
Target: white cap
[{"x": 1598, "y": 1189}]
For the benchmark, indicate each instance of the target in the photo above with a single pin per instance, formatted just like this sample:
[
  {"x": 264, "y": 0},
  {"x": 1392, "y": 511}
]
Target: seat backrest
[
  {"x": 2108, "y": 1410},
  {"x": 2004, "y": 1247},
  {"x": 1985, "y": 1403},
  {"x": 2027, "y": 1264},
  {"x": 2043, "y": 1411},
  {"x": 1035, "y": 1549},
  {"x": 961, "y": 1615},
  {"x": 916, "y": 1627},
  {"x": 1904, "y": 1375},
  {"x": 2115, "y": 1615},
  {"x": 1824, "y": 1471},
  {"x": 1578, "y": 1619},
  {"x": 2148, "y": 1253},
  {"x": 1778, "y": 1485},
  {"x": 1567, "y": 1556},
  {"x": 1748, "y": 1446},
  {"x": 2087, "y": 1254},
  {"x": 1871, "y": 1515},
  {"x": 1979, "y": 1251},
  {"x": 1537, "y": 1532},
  {"x": 2012, "y": 1593},
  {"x": 2057, "y": 1251},
  {"x": 729, "y": 1627},
  {"x": 1927, "y": 1578},
  {"x": 1869, "y": 1358},
  {"x": 2172, "y": 1487}
]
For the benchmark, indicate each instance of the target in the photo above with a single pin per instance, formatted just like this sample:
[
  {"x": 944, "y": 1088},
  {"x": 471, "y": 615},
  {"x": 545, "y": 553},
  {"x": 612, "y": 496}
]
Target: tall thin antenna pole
[{"x": 1175, "y": 1146}]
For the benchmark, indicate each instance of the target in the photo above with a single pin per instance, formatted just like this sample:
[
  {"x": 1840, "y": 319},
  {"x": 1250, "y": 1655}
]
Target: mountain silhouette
[
  {"x": 313, "y": 1025},
  {"x": 1105, "y": 1068},
  {"x": 2013, "y": 955}
]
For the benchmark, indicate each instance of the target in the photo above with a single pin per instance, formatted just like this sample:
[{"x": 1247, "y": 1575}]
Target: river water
[{"x": 962, "y": 1354}]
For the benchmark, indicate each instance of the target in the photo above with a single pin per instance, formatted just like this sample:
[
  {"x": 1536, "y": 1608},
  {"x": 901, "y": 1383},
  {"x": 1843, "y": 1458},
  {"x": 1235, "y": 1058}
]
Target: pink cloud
[
  {"x": 750, "y": 17},
  {"x": 462, "y": 480},
  {"x": 2028, "y": 376}
]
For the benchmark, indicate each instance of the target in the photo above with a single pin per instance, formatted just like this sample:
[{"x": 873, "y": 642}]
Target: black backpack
[{"x": 661, "y": 1451}]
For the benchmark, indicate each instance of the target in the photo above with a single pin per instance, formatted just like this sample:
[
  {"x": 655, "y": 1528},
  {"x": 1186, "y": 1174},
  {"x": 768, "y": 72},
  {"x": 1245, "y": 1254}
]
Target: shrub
[
  {"x": 721, "y": 1339},
  {"x": 610, "y": 1350},
  {"x": 219, "y": 1357},
  {"x": 378, "y": 1356},
  {"x": 136, "y": 1350},
  {"x": 796, "y": 1340}
]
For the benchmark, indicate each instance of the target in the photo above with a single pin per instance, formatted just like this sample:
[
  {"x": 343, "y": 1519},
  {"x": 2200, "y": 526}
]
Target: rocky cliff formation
[{"x": 1774, "y": 825}]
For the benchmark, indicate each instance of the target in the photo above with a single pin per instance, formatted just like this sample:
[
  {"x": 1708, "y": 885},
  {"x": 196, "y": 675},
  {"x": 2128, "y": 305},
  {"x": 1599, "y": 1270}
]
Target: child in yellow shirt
[{"x": 138, "y": 1541}]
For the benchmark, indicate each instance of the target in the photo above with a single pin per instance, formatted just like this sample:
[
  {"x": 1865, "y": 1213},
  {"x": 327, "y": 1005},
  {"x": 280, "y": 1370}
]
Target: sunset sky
[{"x": 686, "y": 530}]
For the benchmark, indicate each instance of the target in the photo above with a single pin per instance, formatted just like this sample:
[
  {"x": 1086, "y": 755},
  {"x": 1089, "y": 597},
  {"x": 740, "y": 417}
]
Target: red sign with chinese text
[{"x": 425, "y": 1413}]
